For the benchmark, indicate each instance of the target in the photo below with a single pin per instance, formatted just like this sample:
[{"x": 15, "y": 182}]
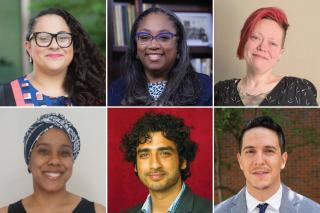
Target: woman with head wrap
[
  {"x": 261, "y": 46},
  {"x": 50, "y": 147}
]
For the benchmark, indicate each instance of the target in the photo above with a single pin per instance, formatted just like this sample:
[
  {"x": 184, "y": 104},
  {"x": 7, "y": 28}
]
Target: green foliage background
[{"x": 90, "y": 13}]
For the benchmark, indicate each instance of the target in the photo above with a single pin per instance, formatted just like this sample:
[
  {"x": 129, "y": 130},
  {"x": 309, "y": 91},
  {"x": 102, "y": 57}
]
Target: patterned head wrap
[{"x": 43, "y": 124}]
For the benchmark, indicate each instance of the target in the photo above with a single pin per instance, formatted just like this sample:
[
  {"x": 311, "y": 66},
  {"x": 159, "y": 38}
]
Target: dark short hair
[
  {"x": 172, "y": 128},
  {"x": 265, "y": 122}
]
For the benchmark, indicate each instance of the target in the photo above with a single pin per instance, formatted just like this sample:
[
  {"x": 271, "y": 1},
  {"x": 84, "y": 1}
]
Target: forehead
[
  {"x": 54, "y": 137},
  {"x": 156, "y": 141},
  {"x": 269, "y": 28},
  {"x": 50, "y": 23},
  {"x": 156, "y": 22},
  {"x": 260, "y": 137}
]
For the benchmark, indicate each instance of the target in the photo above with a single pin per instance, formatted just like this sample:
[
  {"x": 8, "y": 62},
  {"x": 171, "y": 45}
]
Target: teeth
[
  {"x": 51, "y": 174},
  {"x": 154, "y": 57}
]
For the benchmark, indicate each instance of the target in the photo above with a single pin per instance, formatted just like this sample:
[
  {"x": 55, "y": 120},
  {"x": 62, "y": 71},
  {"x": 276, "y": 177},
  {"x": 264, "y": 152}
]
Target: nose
[
  {"x": 263, "y": 45},
  {"x": 54, "y": 160},
  {"x": 259, "y": 159},
  {"x": 54, "y": 44},
  {"x": 155, "y": 162},
  {"x": 154, "y": 43}
]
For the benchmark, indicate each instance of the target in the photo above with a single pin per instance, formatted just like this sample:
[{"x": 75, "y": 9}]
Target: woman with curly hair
[
  {"x": 158, "y": 68},
  {"x": 68, "y": 68}
]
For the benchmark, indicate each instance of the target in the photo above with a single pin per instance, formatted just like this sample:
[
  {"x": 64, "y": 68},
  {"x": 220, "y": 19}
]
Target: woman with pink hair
[{"x": 261, "y": 46}]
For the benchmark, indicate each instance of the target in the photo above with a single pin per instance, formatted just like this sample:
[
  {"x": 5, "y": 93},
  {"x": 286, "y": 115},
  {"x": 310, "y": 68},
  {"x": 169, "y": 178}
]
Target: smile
[
  {"x": 154, "y": 56},
  {"x": 260, "y": 56},
  {"x": 54, "y": 56},
  {"x": 260, "y": 173},
  {"x": 156, "y": 176},
  {"x": 52, "y": 175}
]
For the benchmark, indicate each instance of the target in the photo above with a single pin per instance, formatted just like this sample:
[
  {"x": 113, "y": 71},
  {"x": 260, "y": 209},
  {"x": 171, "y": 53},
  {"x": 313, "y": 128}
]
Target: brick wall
[{"x": 302, "y": 172}]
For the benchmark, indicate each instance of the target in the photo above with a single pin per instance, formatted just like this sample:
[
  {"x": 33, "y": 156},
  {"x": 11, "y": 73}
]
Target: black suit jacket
[{"x": 189, "y": 203}]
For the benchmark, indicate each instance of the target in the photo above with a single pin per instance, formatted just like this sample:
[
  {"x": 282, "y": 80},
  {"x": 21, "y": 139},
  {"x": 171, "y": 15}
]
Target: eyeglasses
[
  {"x": 163, "y": 38},
  {"x": 44, "y": 39}
]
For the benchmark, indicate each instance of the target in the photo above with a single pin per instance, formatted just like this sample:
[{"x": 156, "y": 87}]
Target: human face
[
  {"x": 261, "y": 160},
  {"x": 52, "y": 59},
  {"x": 51, "y": 161},
  {"x": 264, "y": 46},
  {"x": 156, "y": 58},
  {"x": 158, "y": 163}
]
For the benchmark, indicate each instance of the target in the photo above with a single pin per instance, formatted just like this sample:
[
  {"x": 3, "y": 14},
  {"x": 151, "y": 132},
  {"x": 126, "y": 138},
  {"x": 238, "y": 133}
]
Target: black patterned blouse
[{"x": 290, "y": 91}]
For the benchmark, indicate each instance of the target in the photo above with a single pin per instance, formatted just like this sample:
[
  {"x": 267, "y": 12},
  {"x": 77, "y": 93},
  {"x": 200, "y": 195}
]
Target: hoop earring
[{"x": 30, "y": 59}]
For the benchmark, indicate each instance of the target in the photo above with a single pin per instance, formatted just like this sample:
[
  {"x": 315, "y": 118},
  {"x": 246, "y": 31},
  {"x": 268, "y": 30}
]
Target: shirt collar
[
  {"x": 146, "y": 208},
  {"x": 274, "y": 201}
]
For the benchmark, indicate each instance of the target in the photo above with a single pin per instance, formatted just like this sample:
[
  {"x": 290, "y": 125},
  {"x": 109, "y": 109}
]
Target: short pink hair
[{"x": 272, "y": 13}]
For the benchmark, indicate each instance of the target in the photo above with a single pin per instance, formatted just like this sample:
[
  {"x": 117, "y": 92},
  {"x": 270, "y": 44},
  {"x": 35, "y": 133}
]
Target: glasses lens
[
  {"x": 64, "y": 39},
  {"x": 43, "y": 39},
  {"x": 164, "y": 38},
  {"x": 144, "y": 37}
]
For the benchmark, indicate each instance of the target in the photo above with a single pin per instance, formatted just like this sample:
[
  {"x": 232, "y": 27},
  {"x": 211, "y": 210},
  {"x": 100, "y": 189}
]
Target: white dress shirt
[{"x": 274, "y": 202}]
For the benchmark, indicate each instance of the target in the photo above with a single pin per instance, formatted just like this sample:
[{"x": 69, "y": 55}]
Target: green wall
[{"x": 10, "y": 40}]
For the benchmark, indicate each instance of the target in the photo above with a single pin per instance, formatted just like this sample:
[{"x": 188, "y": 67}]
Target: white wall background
[
  {"x": 89, "y": 171},
  {"x": 301, "y": 57}
]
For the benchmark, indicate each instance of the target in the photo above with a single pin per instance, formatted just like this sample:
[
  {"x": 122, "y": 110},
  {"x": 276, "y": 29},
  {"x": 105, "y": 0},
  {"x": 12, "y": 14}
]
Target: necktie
[{"x": 262, "y": 207}]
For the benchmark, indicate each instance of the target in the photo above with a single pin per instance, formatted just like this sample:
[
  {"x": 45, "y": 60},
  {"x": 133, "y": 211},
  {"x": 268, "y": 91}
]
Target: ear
[
  {"x": 27, "y": 46},
  {"x": 284, "y": 158},
  {"x": 281, "y": 52},
  {"x": 239, "y": 160},
  {"x": 183, "y": 164}
]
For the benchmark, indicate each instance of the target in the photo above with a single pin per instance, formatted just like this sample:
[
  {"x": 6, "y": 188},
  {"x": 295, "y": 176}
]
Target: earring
[
  {"x": 178, "y": 55},
  {"x": 30, "y": 59}
]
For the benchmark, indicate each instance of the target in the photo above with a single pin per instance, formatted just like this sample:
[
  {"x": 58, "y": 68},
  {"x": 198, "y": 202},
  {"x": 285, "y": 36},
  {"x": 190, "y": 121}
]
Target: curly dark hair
[
  {"x": 85, "y": 81},
  {"x": 172, "y": 128},
  {"x": 183, "y": 86}
]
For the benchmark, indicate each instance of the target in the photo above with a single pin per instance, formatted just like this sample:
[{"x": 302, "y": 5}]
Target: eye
[
  {"x": 43, "y": 151},
  {"x": 143, "y": 155},
  {"x": 251, "y": 151},
  {"x": 164, "y": 37},
  {"x": 144, "y": 37},
  {"x": 165, "y": 153},
  {"x": 274, "y": 44},
  {"x": 66, "y": 153},
  {"x": 64, "y": 37},
  {"x": 43, "y": 37},
  {"x": 254, "y": 37}
]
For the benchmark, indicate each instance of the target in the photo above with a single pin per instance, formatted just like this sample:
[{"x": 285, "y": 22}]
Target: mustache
[{"x": 156, "y": 171}]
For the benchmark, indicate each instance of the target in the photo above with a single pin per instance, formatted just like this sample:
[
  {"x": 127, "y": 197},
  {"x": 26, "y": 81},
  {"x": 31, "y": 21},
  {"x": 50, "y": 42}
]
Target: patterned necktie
[{"x": 262, "y": 207}]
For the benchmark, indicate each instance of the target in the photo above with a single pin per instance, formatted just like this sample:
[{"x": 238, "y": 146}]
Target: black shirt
[{"x": 290, "y": 91}]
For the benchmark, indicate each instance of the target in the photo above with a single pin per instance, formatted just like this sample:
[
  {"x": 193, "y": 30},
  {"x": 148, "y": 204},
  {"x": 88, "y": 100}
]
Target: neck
[
  {"x": 50, "y": 199},
  {"x": 253, "y": 78},
  {"x": 263, "y": 194},
  {"x": 51, "y": 85},
  {"x": 161, "y": 200},
  {"x": 156, "y": 77}
]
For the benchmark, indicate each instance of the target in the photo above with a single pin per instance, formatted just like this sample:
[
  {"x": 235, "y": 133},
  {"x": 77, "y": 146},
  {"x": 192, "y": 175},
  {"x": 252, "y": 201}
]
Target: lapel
[
  {"x": 239, "y": 203},
  {"x": 186, "y": 203},
  {"x": 288, "y": 201}
]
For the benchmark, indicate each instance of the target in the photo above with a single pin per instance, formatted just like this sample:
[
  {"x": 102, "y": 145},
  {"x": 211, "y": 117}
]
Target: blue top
[
  {"x": 33, "y": 97},
  {"x": 117, "y": 90}
]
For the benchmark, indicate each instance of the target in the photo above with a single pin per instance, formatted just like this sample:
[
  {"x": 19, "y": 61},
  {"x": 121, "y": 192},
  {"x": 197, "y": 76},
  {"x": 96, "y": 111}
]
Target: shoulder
[
  {"x": 134, "y": 209},
  {"x": 194, "y": 203},
  {"x": 227, "y": 83},
  {"x": 298, "y": 81},
  {"x": 99, "y": 208},
  {"x": 302, "y": 202},
  {"x": 4, "y": 209},
  {"x": 116, "y": 92},
  {"x": 202, "y": 203},
  {"x": 224, "y": 206},
  {"x": 205, "y": 98}
]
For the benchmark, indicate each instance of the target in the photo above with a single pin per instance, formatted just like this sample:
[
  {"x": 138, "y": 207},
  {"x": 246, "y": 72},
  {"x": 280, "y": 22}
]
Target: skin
[
  {"x": 261, "y": 162},
  {"x": 157, "y": 59},
  {"x": 51, "y": 164},
  {"x": 50, "y": 64},
  {"x": 262, "y": 51},
  {"x": 159, "y": 170}
]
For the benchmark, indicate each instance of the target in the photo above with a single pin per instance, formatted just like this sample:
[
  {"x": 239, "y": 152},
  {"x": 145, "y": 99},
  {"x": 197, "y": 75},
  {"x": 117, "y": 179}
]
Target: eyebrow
[
  {"x": 167, "y": 148},
  {"x": 252, "y": 147},
  {"x": 149, "y": 31}
]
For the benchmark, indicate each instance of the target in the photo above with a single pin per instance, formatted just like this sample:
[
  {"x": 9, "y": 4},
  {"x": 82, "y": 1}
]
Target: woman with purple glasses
[{"x": 158, "y": 68}]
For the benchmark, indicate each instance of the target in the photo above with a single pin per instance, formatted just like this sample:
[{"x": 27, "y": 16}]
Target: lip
[
  {"x": 53, "y": 176},
  {"x": 154, "y": 57},
  {"x": 260, "y": 173},
  {"x": 156, "y": 176},
  {"x": 54, "y": 55},
  {"x": 260, "y": 56}
]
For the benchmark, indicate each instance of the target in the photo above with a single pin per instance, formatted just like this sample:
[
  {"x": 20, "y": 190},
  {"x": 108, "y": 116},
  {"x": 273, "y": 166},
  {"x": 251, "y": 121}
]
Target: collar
[
  {"x": 147, "y": 205},
  {"x": 274, "y": 201}
]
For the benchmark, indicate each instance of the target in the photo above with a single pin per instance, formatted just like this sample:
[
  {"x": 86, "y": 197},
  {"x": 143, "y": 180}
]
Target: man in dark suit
[
  {"x": 161, "y": 150},
  {"x": 261, "y": 157}
]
